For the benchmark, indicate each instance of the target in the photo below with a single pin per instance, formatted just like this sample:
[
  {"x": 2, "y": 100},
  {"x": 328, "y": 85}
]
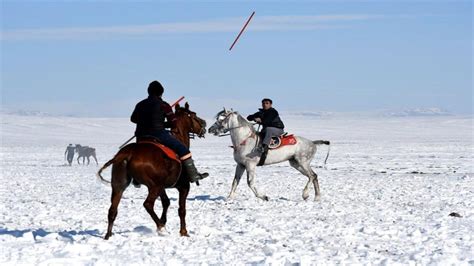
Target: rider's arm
[
  {"x": 252, "y": 117},
  {"x": 169, "y": 114},
  {"x": 134, "y": 117}
]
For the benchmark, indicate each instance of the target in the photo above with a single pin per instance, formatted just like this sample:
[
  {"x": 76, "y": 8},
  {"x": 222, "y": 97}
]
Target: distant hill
[
  {"x": 26, "y": 113},
  {"x": 434, "y": 111},
  {"x": 309, "y": 114}
]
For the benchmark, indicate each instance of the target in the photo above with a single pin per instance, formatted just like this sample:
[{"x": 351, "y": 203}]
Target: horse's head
[
  {"x": 188, "y": 121},
  {"x": 222, "y": 124}
]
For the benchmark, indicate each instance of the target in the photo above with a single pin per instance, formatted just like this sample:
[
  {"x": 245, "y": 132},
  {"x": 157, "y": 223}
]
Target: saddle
[
  {"x": 168, "y": 151},
  {"x": 281, "y": 141}
]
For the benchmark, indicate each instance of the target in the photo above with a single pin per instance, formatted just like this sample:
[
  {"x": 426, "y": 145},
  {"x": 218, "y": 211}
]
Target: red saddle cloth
[
  {"x": 282, "y": 141},
  {"x": 169, "y": 152}
]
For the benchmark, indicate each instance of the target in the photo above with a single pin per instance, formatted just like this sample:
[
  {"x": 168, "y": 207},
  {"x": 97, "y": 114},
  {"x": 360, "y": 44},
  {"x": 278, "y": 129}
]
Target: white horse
[{"x": 245, "y": 140}]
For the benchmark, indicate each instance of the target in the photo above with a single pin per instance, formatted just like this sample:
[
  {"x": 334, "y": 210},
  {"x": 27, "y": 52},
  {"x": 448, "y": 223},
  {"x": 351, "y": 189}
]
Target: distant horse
[
  {"x": 150, "y": 166},
  {"x": 245, "y": 139},
  {"x": 85, "y": 152}
]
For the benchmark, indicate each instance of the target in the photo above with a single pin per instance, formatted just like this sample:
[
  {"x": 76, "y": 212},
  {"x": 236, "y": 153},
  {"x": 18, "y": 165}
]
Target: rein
[
  {"x": 232, "y": 128},
  {"x": 229, "y": 129}
]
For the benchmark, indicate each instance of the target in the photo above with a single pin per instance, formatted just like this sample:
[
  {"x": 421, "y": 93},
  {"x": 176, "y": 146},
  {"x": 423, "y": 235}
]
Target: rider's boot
[
  {"x": 193, "y": 173},
  {"x": 263, "y": 156}
]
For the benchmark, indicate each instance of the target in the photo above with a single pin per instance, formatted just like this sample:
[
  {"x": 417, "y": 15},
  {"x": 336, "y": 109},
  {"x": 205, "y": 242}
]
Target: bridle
[{"x": 194, "y": 119}]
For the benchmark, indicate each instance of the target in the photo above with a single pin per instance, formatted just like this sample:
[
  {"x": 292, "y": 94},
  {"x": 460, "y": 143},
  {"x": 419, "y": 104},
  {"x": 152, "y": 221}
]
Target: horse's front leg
[
  {"x": 251, "y": 182},
  {"x": 239, "y": 171},
  {"x": 183, "y": 194}
]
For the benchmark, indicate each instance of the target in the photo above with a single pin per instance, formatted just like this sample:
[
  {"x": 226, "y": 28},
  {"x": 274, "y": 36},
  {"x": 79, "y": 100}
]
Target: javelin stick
[
  {"x": 126, "y": 142},
  {"x": 242, "y": 30},
  {"x": 179, "y": 100}
]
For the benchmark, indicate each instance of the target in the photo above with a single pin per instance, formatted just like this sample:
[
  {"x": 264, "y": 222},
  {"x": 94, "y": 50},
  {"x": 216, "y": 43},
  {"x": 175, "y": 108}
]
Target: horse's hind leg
[
  {"x": 317, "y": 195},
  {"x": 88, "y": 160},
  {"x": 165, "y": 201},
  {"x": 239, "y": 171},
  {"x": 183, "y": 194},
  {"x": 153, "y": 193},
  {"x": 120, "y": 181},
  {"x": 251, "y": 182},
  {"x": 306, "y": 170},
  {"x": 95, "y": 158}
]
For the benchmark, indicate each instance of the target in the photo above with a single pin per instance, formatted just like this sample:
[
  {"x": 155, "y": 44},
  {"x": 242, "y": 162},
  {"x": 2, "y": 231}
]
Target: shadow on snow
[{"x": 42, "y": 233}]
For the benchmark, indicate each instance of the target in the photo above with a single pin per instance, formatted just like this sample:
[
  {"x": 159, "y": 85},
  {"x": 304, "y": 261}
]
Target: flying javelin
[{"x": 241, "y": 31}]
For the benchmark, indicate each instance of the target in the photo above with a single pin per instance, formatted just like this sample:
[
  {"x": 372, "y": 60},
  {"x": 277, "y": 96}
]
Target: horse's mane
[
  {"x": 244, "y": 121},
  {"x": 220, "y": 113}
]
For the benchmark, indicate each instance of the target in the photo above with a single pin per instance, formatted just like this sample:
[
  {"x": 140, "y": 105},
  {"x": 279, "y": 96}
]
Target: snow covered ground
[{"x": 390, "y": 186}]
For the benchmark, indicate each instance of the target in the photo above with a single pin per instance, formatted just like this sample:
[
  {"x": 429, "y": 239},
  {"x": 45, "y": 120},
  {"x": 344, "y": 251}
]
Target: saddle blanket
[
  {"x": 283, "y": 140},
  {"x": 169, "y": 152}
]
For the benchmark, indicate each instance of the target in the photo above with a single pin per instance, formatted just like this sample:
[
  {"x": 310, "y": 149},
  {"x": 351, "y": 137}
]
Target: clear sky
[{"x": 96, "y": 58}]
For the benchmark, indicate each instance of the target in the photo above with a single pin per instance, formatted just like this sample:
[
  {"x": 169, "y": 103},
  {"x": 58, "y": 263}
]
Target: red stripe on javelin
[{"x": 179, "y": 100}]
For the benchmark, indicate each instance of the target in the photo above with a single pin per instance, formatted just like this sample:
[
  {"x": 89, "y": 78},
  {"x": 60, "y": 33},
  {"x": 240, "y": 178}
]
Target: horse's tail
[
  {"x": 123, "y": 155},
  {"x": 323, "y": 142}
]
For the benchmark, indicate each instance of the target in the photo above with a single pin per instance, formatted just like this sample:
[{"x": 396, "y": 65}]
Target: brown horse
[{"x": 150, "y": 166}]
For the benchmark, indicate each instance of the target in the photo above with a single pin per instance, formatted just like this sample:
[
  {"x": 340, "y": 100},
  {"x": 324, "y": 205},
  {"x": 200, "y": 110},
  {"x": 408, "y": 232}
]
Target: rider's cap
[{"x": 155, "y": 88}]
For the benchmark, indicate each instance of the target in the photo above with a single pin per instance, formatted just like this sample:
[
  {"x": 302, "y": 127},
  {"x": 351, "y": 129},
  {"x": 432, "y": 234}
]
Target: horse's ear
[
  {"x": 186, "y": 106},
  {"x": 225, "y": 111},
  {"x": 176, "y": 107}
]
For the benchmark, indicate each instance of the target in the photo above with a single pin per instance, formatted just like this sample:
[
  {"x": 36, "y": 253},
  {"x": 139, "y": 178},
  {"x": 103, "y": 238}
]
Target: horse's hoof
[
  {"x": 265, "y": 198},
  {"x": 162, "y": 231},
  {"x": 184, "y": 233},
  {"x": 305, "y": 197},
  {"x": 317, "y": 198},
  {"x": 107, "y": 236}
]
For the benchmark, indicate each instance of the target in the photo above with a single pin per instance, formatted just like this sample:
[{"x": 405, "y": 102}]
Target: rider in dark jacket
[
  {"x": 150, "y": 115},
  {"x": 272, "y": 125}
]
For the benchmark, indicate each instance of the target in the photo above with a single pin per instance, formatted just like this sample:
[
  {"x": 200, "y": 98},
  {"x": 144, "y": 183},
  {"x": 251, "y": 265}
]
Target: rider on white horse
[
  {"x": 268, "y": 117},
  {"x": 243, "y": 137}
]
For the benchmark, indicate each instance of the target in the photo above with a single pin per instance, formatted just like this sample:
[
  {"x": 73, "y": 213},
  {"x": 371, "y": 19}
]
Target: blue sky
[{"x": 96, "y": 58}]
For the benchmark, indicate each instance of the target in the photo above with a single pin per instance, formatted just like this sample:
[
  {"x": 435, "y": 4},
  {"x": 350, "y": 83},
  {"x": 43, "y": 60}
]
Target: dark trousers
[{"x": 165, "y": 138}]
